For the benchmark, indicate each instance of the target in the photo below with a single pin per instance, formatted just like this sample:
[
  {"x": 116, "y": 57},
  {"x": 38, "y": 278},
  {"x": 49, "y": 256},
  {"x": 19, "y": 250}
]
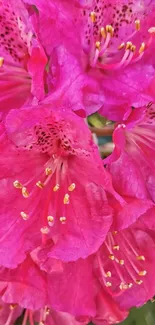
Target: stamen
[
  {"x": 103, "y": 32},
  {"x": 62, "y": 220},
  {"x": 121, "y": 46},
  {"x": 13, "y": 306},
  {"x": 133, "y": 48},
  {"x": 17, "y": 184},
  {"x": 47, "y": 311},
  {"x": 142, "y": 48},
  {"x": 110, "y": 29},
  {"x": 108, "y": 284},
  {"x": 93, "y": 16},
  {"x": 112, "y": 257},
  {"x": 142, "y": 273},
  {"x": 24, "y": 215},
  {"x": 139, "y": 282},
  {"x": 66, "y": 198},
  {"x": 48, "y": 171},
  {"x": 1, "y": 61},
  {"x": 98, "y": 45},
  {"x": 44, "y": 230},
  {"x": 121, "y": 262},
  {"x": 56, "y": 187},
  {"x": 25, "y": 192},
  {"x": 141, "y": 258},
  {"x": 50, "y": 220},
  {"x": 137, "y": 24},
  {"x": 108, "y": 274},
  {"x": 71, "y": 187},
  {"x": 128, "y": 45},
  {"x": 115, "y": 232},
  {"x": 116, "y": 247},
  {"x": 40, "y": 184},
  {"x": 41, "y": 323},
  {"x": 151, "y": 30},
  {"x": 125, "y": 286}
]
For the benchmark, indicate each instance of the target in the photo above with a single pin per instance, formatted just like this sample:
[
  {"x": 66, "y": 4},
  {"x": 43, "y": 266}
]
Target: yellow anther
[
  {"x": 112, "y": 257},
  {"x": 133, "y": 48},
  {"x": 116, "y": 247},
  {"x": 108, "y": 284},
  {"x": 142, "y": 273},
  {"x": 56, "y": 187},
  {"x": 50, "y": 220},
  {"x": 13, "y": 306},
  {"x": 103, "y": 32},
  {"x": 151, "y": 30},
  {"x": 44, "y": 230},
  {"x": 66, "y": 199},
  {"x": 98, "y": 45},
  {"x": 40, "y": 184},
  {"x": 110, "y": 29},
  {"x": 25, "y": 192},
  {"x": 24, "y": 215},
  {"x": 17, "y": 184},
  {"x": 108, "y": 274},
  {"x": 139, "y": 282},
  {"x": 62, "y": 219},
  {"x": 142, "y": 48},
  {"x": 125, "y": 286},
  {"x": 1, "y": 61},
  {"x": 71, "y": 187},
  {"x": 128, "y": 45},
  {"x": 121, "y": 46},
  {"x": 121, "y": 262},
  {"x": 93, "y": 16},
  {"x": 114, "y": 232},
  {"x": 141, "y": 258},
  {"x": 48, "y": 171},
  {"x": 137, "y": 24}
]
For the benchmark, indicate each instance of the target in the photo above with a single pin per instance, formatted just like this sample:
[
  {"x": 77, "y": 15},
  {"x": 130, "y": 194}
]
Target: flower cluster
[{"x": 77, "y": 232}]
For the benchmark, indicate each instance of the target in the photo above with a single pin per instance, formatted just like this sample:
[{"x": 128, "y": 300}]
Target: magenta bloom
[
  {"x": 22, "y": 57},
  {"x": 125, "y": 265},
  {"x": 56, "y": 188},
  {"x": 107, "y": 43}
]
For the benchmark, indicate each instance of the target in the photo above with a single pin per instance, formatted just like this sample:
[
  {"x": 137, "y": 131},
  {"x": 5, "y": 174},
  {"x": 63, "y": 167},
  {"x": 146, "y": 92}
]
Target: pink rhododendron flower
[
  {"x": 109, "y": 42},
  {"x": 22, "y": 57},
  {"x": 56, "y": 188},
  {"x": 125, "y": 265}
]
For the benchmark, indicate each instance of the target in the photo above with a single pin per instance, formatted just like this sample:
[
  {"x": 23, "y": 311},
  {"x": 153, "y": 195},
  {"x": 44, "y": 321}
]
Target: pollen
[
  {"x": 24, "y": 215},
  {"x": 139, "y": 282},
  {"x": 110, "y": 29},
  {"x": 114, "y": 232},
  {"x": 17, "y": 184},
  {"x": 66, "y": 198},
  {"x": 56, "y": 187},
  {"x": 108, "y": 284},
  {"x": 50, "y": 220},
  {"x": 121, "y": 262},
  {"x": 71, "y": 187},
  {"x": 129, "y": 45},
  {"x": 44, "y": 230},
  {"x": 137, "y": 24},
  {"x": 142, "y": 273},
  {"x": 98, "y": 45},
  {"x": 108, "y": 274},
  {"x": 62, "y": 220},
  {"x": 1, "y": 61},
  {"x": 25, "y": 192},
  {"x": 125, "y": 286},
  {"x": 141, "y": 258},
  {"x": 116, "y": 247},
  {"x": 103, "y": 32},
  {"x": 133, "y": 48},
  {"x": 13, "y": 306},
  {"x": 121, "y": 46},
  {"x": 40, "y": 184},
  {"x": 142, "y": 48},
  {"x": 112, "y": 257},
  {"x": 93, "y": 16},
  {"x": 48, "y": 171}
]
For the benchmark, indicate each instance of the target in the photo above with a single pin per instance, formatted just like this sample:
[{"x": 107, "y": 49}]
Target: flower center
[
  {"x": 123, "y": 261},
  {"x": 102, "y": 49}
]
